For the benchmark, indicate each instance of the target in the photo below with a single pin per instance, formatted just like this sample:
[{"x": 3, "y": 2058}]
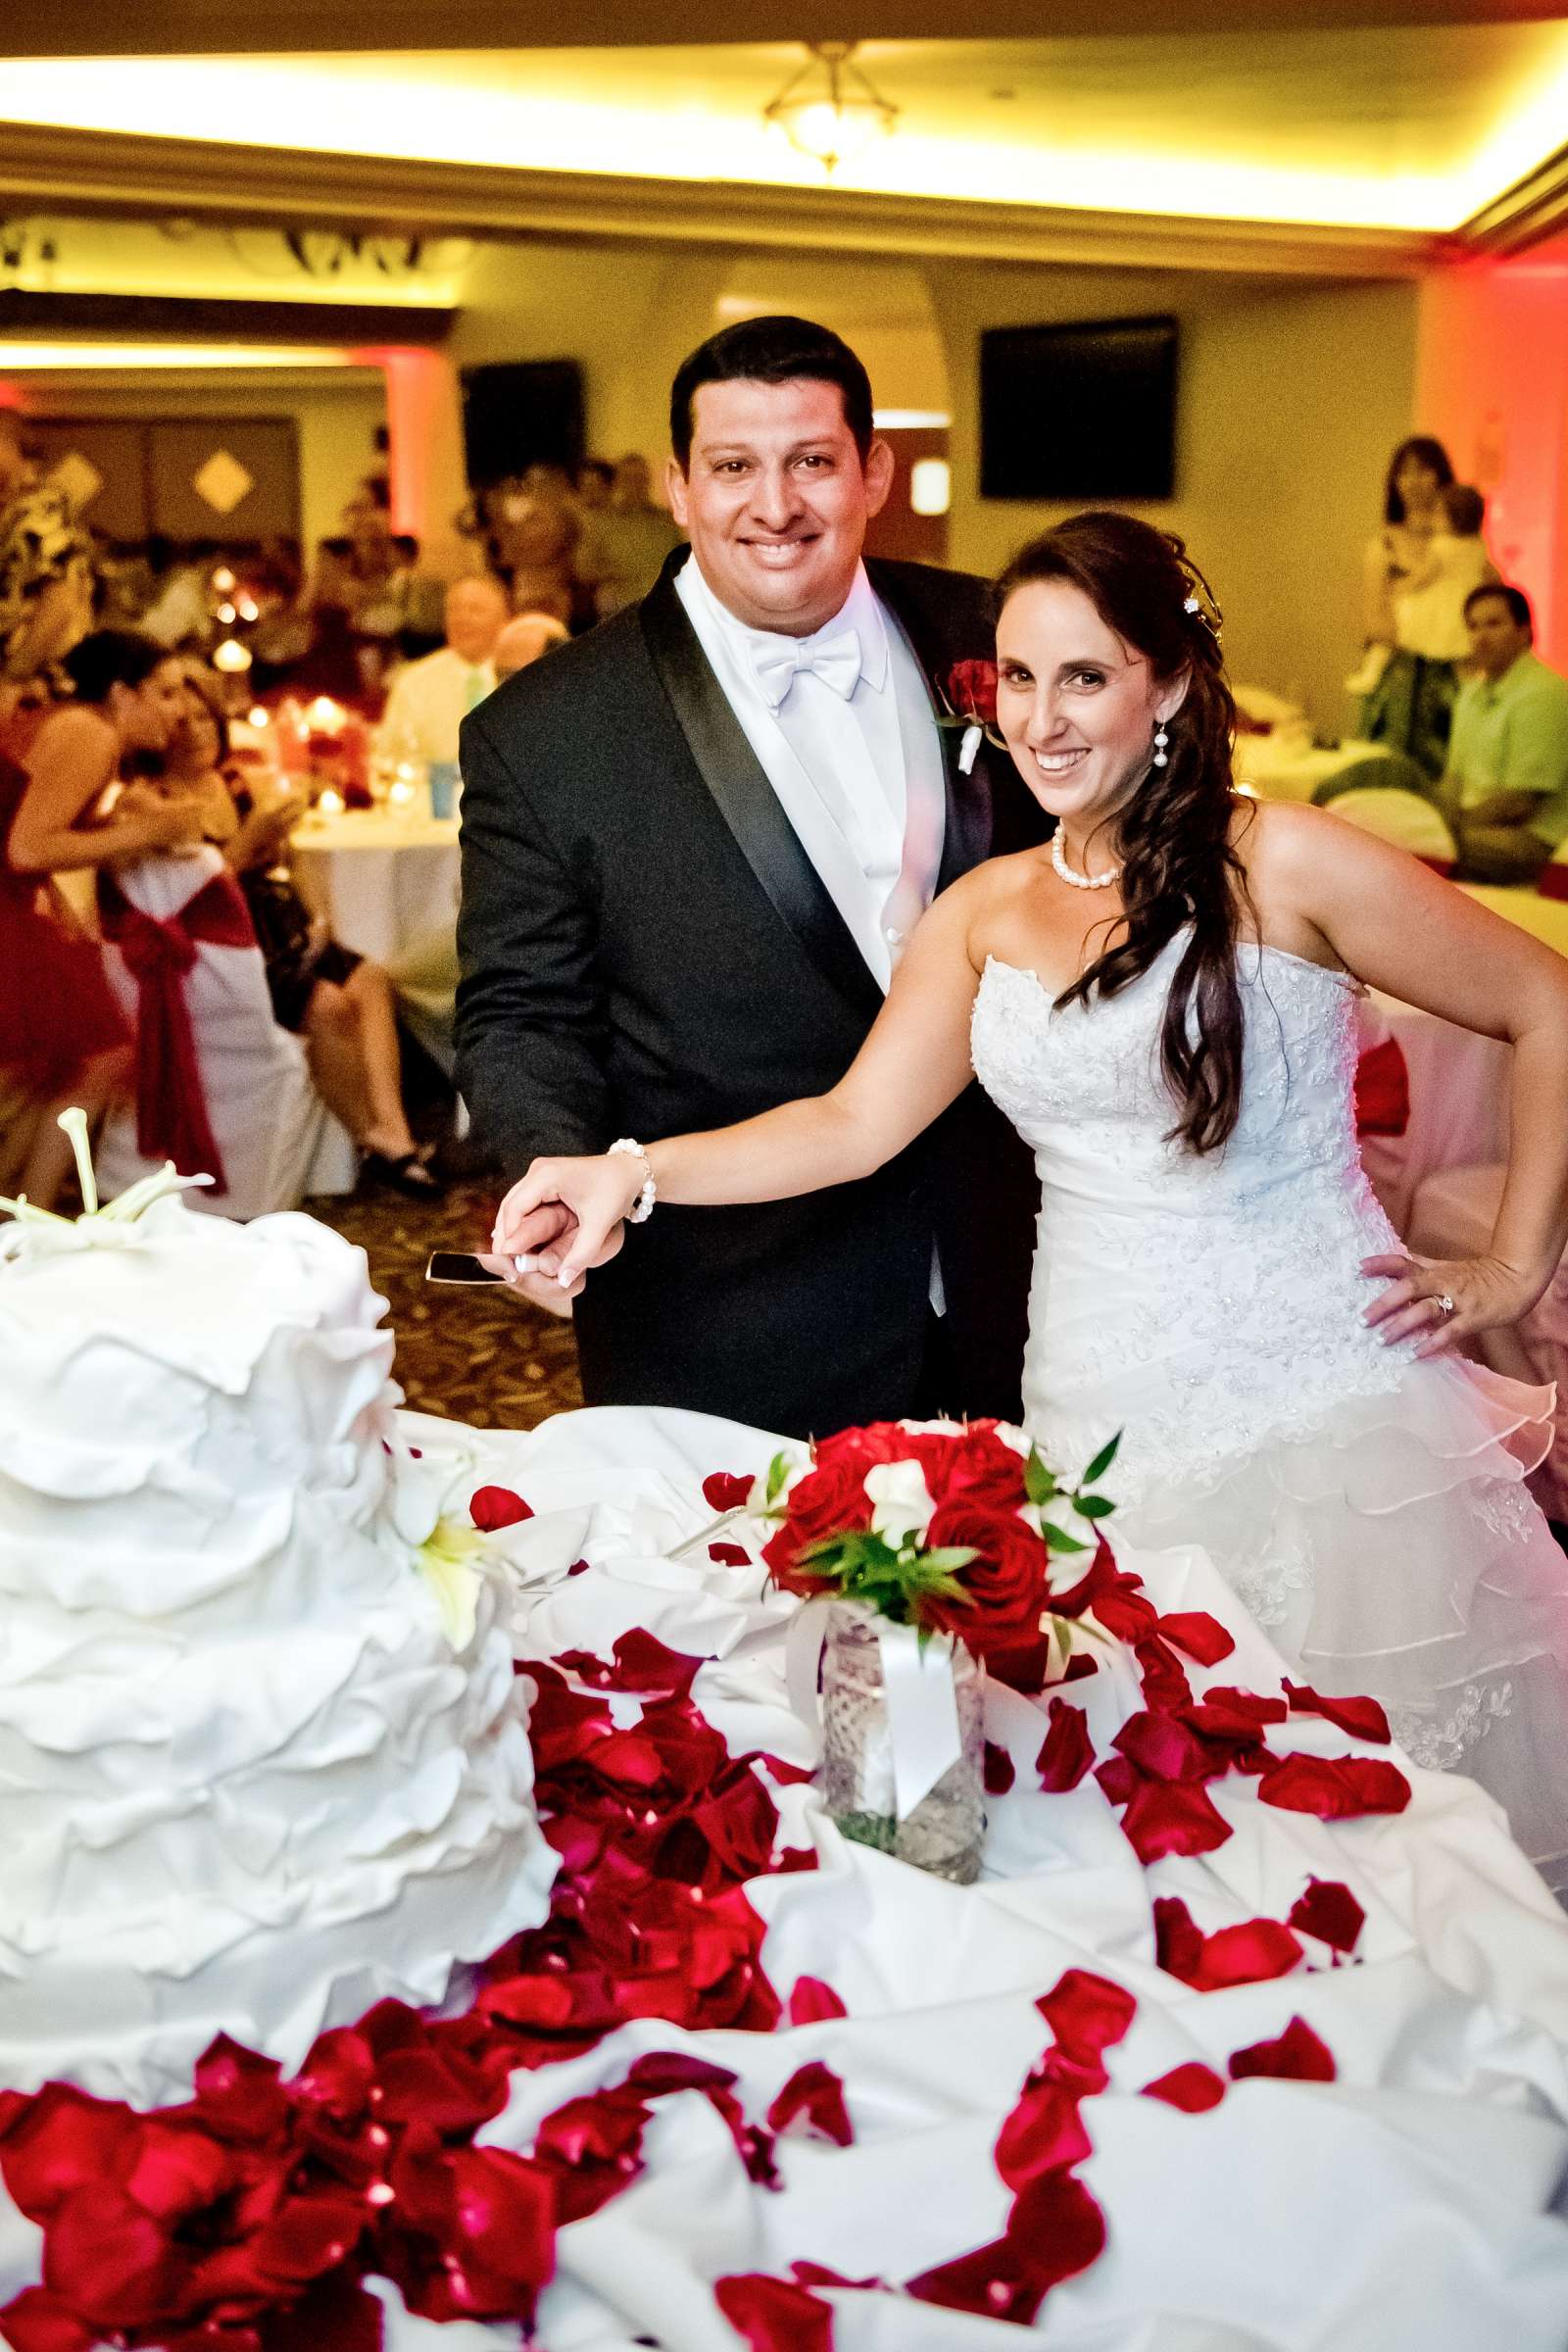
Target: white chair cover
[
  {"x": 1402, "y": 817},
  {"x": 1453, "y": 1214},
  {"x": 277, "y": 1138}
]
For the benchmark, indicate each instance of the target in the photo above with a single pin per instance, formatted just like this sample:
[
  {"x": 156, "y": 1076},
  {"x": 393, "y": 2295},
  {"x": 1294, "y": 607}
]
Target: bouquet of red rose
[
  {"x": 927, "y": 1537},
  {"x": 951, "y": 1529}
]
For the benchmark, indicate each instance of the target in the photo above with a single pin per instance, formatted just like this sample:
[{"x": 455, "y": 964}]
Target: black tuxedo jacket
[{"x": 647, "y": 948}]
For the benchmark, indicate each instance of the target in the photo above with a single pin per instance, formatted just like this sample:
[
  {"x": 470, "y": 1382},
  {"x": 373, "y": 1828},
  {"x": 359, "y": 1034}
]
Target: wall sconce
[{"x": 930, "y": 486}]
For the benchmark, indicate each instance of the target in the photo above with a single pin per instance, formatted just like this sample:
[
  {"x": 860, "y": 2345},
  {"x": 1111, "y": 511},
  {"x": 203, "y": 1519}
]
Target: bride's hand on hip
[
  {"x": 567, "y": 1215},
  {"x": 1446, "y": 1299}
]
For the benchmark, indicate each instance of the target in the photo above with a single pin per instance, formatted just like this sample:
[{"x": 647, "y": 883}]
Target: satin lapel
[
  {"x": 747, "y": 801},
  {"x": 966, "y": 835}
]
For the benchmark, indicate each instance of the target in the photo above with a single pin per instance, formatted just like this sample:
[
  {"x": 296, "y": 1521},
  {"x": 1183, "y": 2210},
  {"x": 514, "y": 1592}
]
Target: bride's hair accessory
[
  {"x": 1201, "y": 603},
  {"x": 1161, "y": 739},
  {"x": 1058, "y": 859},
  {"x": 642, "y": 1209}
]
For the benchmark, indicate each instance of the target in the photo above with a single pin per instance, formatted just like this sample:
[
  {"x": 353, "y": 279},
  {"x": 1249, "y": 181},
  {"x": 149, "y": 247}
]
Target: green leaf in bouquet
[
  {"x": 1059, "y": 1540},
  {"x": 1102, "y": 1461},
  {"x": 778, "y": 1470},
  {"x": 951, "y": 1555},
  {"x": 1039, "y": 1483},
  {"x": 1093, "y": 1506}
]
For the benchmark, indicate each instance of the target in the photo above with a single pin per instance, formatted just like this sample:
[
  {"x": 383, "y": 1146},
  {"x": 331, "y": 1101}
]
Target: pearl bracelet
[{"x": 642, "y": 1209}]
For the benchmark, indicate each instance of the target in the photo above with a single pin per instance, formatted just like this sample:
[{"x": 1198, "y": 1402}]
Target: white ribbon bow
[{"x": 836, "y": 661}]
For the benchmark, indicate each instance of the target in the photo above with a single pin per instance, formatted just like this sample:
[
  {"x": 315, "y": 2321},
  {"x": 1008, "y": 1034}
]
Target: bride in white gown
[{"x": 1163, "y": 1004}]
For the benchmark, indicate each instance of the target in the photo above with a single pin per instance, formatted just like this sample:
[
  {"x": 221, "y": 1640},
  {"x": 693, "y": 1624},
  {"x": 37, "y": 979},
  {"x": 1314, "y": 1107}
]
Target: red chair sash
[
  {"x": 1382, "y": 1089},
  {"x": 1553, "y": 880},
  {"x": 172, "y": 1116}
]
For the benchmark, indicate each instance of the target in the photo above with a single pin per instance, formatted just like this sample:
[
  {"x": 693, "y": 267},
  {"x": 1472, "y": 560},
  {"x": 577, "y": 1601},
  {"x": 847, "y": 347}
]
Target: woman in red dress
[{"x": 62, "y": 1037}]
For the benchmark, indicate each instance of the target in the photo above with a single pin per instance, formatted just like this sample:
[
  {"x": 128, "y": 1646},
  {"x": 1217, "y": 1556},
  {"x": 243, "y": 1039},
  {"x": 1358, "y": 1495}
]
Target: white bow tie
[{"x": 836, "y": 661}]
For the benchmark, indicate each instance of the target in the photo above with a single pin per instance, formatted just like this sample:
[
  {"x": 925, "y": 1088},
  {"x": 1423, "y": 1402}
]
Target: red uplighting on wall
[{"x": 415, "y": 386}]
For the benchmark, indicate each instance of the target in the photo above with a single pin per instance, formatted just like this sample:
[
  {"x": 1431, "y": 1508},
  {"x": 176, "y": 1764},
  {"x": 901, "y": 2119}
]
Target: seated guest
[
  {"x": 63, "y": 1039},
  {"x": 539, "y": 528},
  {"x": 339, "y": 1002},
  {"x": 524, "y": 637},
  {"x": 1505, "y": 793},
  {"x": 430, "y": 698}
]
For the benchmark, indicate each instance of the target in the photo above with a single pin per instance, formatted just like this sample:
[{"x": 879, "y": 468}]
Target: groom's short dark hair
[{"x": 772, "y": 350}]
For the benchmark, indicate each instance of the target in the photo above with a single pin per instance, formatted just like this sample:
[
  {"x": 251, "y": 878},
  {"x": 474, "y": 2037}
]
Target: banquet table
[
  {"x": 1286, "y": 764},
  {"x": 1361, "y": 2150},
  {"x": 384, "y": 878}
]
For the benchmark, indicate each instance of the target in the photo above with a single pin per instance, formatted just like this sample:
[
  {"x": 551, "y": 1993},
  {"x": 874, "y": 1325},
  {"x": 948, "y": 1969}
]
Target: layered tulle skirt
[{"x": 1392, "y": 1547}]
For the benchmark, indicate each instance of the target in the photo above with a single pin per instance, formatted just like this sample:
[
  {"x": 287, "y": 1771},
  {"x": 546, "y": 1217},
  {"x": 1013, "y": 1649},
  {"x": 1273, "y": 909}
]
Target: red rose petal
[
  {"x": 1193, "y": 2088},
  {"x": 1086, "y": 2013},
  {"x": 1329, "y": 1911},
  {"x": 812, "y": 2001},
  {"x": 726, "y": 1491},
  {"x": 1000, "y": 1772},
  {"x": 728, "y": 1555},
  {"x": 1297, "y": 2055},
  {"x": 815, "y": 2093},
  {"x": 992, "y": 2280},
  {"x": 1043, "y": 2134},
  {"x": 1362, "y": 1718},
  {"x": 774, "y": 2314},
  {"x": 1066, "y": 1752},
  {"x": 1163, "y": 1819},
  {"x": 494, "y": 1507},
  {"x": 1248, "y": 1954},
  {"x": 1335, "y": 1788},
  {"x": 36, "y": 2321},
  {"x": 1201, "y": 1636},
  {"x": 1057, "y": 2228}
]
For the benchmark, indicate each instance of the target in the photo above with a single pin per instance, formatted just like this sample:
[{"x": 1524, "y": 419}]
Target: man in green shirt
[{"x": 1505, "y": 793}]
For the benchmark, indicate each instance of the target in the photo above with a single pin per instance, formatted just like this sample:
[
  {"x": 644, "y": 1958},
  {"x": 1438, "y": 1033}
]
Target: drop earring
[{"x": 1161, "y": 741}]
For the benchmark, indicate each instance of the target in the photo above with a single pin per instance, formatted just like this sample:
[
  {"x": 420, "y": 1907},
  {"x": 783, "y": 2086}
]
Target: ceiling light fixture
[{"x": 830, "y": 110}]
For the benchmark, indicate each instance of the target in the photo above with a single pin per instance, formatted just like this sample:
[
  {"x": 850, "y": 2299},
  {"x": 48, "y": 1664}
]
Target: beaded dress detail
[{"x": 1368, "y": 1507}]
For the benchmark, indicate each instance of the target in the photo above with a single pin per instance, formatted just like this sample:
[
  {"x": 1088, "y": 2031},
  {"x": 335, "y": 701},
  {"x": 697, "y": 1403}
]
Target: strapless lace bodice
[{"x": 1199, "y": 1303}]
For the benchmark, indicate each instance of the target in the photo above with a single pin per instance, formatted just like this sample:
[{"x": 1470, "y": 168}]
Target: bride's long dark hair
[{"x": 1173, "y": 837}]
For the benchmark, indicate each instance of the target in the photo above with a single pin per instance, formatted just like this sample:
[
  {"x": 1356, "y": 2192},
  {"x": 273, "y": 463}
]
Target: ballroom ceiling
[
  {"x": 1405, "y": 128},
  {"x": 1256, "y": 137}
]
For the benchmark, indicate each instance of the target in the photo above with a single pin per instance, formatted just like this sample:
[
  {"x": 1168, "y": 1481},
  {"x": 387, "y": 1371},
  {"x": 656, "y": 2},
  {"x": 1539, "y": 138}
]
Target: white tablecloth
[
  {"x": 1286, "y": 764},
  {"x": 383, "y": 880},
  {"x": 1405, "y": 2206}
]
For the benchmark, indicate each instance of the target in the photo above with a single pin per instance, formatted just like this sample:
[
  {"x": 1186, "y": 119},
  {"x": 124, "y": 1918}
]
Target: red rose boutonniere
[{"x": 970, "y": 698}]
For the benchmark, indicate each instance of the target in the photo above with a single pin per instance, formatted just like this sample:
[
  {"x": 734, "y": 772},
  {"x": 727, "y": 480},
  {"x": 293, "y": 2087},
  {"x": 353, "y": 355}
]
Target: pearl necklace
[{"x": 1079, "y": 881}]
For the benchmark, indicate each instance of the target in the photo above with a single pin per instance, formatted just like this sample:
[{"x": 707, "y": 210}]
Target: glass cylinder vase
[{"x": 945, "y": 1832}]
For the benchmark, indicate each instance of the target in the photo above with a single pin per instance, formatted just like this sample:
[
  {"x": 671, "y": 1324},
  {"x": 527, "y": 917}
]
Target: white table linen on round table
[
  {"x": 382, "y": 879},
  {"x": 1286, "y": 764},
  {"x": 1402, "y": 2208}
]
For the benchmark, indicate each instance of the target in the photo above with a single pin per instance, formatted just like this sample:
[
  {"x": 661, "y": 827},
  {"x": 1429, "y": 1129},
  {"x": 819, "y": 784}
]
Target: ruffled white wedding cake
[{"x": 263, "y": 1755}]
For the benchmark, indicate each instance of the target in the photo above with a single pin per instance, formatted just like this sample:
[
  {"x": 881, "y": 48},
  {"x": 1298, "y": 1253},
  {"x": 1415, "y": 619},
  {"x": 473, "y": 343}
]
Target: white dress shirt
[
  {"x": 428, "y": 703},
  {"x": 861, "y": 779}
]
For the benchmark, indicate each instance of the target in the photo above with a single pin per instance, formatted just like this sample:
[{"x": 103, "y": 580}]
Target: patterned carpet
[{"x": 483, "y": 1357}]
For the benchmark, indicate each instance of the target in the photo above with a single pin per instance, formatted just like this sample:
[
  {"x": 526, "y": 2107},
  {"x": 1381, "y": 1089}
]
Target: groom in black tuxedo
[{"x": 693, "y": 844}]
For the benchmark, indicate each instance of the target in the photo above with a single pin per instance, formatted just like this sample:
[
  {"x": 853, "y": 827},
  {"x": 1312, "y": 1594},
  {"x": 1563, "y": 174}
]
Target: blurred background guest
[
  {"x": 622, "y": 549},
  {"x": 1505, "y": 792},
  {"x": 1408, "y": 694},
  {"x": 593, "y": 483},
  {"x": 538, "y": 527},
  {"x": 339, "y": 1002},
  {"x": 524, "y": 637},
  {"x": 45, "y": 572},
  {"x": 62, "y": 1039},
  {"x": 430, "y": 698},
  {"x": 1429, "y": 606},
  {"x": 179, "y": 609}
]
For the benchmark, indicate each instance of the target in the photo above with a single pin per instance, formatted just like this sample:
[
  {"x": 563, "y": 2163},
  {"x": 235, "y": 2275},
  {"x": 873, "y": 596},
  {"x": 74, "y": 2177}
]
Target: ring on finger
[{"x": 1445, "y": 1305}]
